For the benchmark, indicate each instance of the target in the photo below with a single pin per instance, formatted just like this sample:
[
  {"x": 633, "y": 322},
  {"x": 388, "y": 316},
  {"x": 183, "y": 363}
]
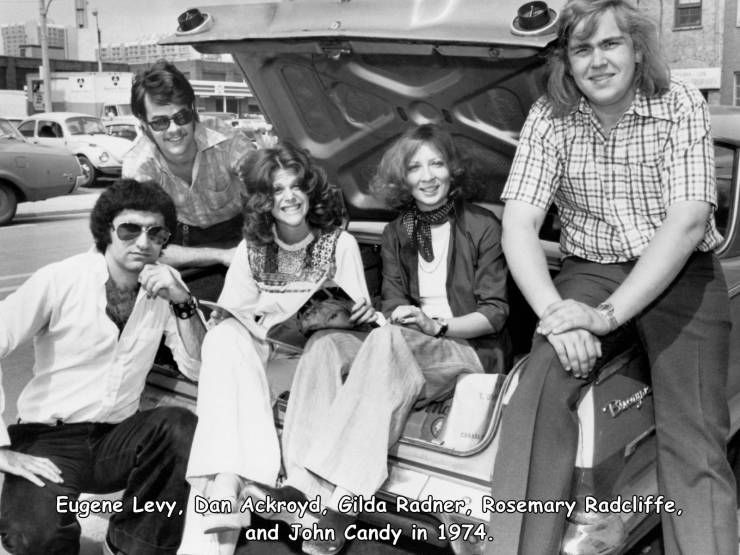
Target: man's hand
[
  {"x": 566, "y": 315},
  {"x": 577, "y": 351},
  {"x": 161, "y": 280},
  {"x": 362, "y": 313},
  {"x": 29, "y": 467}
]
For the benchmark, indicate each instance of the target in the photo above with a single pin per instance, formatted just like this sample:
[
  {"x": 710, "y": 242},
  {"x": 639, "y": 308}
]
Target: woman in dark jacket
[{"x": 444, "y": 292}]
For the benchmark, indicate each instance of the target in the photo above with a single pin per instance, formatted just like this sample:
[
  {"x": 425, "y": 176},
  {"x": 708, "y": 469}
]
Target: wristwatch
[
  {"x": 443, "y": 326},
  {"x": 185, "y": 310},
  {"x": 607, "y": 311}
]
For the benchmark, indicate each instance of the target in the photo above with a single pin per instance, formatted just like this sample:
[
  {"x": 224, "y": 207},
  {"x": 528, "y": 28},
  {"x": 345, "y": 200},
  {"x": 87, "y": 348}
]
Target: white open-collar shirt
[{"x": 84, "y": 371}]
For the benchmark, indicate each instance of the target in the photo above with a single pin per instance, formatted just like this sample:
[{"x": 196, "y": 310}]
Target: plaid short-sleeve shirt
[
  {"x": 612, "y": 190},
  {"x": 215, "y": 194}
]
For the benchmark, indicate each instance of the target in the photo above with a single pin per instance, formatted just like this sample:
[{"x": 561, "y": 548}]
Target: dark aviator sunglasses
[
  {"x": 160, "y": 123},
  {"x": 128, "y": 232}
]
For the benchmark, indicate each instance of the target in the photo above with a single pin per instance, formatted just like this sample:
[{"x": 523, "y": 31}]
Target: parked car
[
  {"x": 125, "y": 127},
  {"x": 30, "y": 172},
  {"x": 345, "y": 79},
  {"x": 84, "y": 136}
]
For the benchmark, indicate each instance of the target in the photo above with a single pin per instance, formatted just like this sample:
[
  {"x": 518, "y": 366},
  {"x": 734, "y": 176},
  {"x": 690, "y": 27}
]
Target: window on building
[
  {"x": 736, "y": 100},
  {"x": 688, "y": 13}
]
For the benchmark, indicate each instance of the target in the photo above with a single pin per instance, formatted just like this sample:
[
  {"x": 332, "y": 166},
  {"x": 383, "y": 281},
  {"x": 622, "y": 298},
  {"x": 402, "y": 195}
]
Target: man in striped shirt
[{"x": 626, "y": 155}]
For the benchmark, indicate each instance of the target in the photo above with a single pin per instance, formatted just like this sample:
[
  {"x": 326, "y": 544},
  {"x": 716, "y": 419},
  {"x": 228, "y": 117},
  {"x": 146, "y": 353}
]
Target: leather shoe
[
  {"x": 284, "y": 494},
  {"x": 331, "y": 520},
  {"x": 108, "y": 549}
]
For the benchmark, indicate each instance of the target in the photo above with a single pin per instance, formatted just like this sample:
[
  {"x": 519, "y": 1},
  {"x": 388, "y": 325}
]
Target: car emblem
[{"x": 618, "y": 406}]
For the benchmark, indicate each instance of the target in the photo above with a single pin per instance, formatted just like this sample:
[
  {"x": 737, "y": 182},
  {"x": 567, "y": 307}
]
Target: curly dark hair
[
  {"x": 389, "y": 183},
  {"x": 165, "y": 84},
  {"x": 129, "y": 194},
  {"x": 326, "y": 206}
]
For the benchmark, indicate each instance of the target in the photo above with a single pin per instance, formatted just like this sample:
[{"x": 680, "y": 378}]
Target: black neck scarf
[{"x": 417, "y": 224}]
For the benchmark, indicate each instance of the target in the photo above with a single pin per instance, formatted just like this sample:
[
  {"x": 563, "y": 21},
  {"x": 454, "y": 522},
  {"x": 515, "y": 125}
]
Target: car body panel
[{"x": 37, "y": 172}]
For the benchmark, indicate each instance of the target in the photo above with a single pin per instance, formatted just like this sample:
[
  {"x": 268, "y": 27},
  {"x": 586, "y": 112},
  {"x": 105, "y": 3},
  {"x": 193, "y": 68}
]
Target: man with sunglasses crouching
[
  {"x": 96, "y": 320},
  {"x": 195, "y": 162}
]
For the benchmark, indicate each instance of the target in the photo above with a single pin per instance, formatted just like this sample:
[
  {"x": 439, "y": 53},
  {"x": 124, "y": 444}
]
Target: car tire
[
  {"x": 8, "y": 203},
  {"x": 88, "y": 170}
]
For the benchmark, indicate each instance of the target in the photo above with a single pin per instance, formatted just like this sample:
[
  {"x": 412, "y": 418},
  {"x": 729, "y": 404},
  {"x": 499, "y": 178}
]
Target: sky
[{"x": 120, "y": 20}]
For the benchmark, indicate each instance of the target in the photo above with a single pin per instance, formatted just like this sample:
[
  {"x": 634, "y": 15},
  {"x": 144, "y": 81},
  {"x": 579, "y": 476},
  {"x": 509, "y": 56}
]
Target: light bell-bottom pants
[
  {"x": 338, "y": 434},
  {"x": 235, "y": 431}
]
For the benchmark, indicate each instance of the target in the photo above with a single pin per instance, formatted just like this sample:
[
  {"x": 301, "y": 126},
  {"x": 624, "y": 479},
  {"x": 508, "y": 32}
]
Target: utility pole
[
  {"x": 45, "y": 70},
  {"x": 100, "y": 52}
]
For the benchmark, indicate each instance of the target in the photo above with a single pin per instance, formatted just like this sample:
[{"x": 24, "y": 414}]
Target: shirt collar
[{"x": 647, "y": 107}]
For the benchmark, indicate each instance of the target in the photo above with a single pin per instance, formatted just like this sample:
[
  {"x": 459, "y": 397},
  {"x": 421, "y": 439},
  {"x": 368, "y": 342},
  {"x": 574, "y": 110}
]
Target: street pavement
[
  {"x": 81, "y": 201},
  {"x": 28, "y": 215}
]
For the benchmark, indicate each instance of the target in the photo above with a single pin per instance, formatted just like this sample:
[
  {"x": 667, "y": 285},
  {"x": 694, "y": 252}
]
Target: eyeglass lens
[
  {"x": 183, "y": 117},
  {"x": 128, "y": 231}
]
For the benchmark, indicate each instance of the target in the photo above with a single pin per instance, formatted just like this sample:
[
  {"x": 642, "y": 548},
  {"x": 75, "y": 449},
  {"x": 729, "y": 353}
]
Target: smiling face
[
  {"x": 290, "y": 206},
  {"x": 428, "y": 176},
  {"x": 177, "y": 142},
  {"x": 130, "y": 256},
  {"x": 603, "y": 67}
]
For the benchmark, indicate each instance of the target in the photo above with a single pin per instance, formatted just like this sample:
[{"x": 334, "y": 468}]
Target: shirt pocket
[{"x": 644, "y": 188}]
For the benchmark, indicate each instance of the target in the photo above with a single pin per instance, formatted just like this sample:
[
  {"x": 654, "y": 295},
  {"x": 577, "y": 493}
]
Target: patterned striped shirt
[
  {"x": 612, "y": 190},
  {"x": 215, "y": 194}
]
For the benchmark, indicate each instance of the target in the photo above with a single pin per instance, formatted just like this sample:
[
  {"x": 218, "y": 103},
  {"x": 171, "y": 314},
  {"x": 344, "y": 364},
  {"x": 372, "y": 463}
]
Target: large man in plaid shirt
[{"x": 625, "y": 154}]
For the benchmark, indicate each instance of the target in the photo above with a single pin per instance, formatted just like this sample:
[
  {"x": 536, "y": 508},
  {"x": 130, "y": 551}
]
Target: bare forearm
[
  {"x": 658, "y": 266},
  {"x": 178, "y": 256},
  {"x": 528, "y": 264},
  {"x": 469, "y": 326},
  {"x": 191, "y": 332}
]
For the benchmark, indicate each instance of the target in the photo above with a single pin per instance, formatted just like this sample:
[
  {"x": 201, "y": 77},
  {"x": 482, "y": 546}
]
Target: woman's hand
[
  {"x": 363, "y": 313},
  {"x": 217, "y": 316},
  {"x": 407, "y": 315}
]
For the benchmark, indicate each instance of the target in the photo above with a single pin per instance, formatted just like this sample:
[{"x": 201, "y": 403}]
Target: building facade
[
  {"x": 731, "y": 60},
  {"x": 691, "y": 34},
  {"x": 24, "y": 40},
  {"x": 148, "y": 50}
]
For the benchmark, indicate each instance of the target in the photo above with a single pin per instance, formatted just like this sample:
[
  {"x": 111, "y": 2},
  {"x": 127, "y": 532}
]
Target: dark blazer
[{"x": 476, "y": 276}]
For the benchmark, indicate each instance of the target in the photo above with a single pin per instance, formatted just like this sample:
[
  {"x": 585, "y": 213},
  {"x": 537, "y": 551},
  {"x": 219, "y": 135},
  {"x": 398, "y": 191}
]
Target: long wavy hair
[
  {"x": 326, "y": 206},
  {"x": 652, "y": 75},
  {"x": 389, "y": 183}
]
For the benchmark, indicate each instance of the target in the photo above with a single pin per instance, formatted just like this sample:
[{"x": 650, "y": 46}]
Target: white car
[
  {"x": 125, "y": 127},
  {"x": 84, "y": 136}
]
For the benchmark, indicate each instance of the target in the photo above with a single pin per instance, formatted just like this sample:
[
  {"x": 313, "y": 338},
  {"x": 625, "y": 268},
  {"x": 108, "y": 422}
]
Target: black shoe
[
  {"x": 280, "y": 496},
  {"x": 108, "y": 548},
  {"x": 332, "y": 520}
]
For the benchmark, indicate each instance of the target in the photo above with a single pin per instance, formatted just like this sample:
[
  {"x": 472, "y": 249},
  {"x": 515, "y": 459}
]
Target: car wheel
[
  {"x": 8, "y": 203},
  {"x": 88, "y": 170}
]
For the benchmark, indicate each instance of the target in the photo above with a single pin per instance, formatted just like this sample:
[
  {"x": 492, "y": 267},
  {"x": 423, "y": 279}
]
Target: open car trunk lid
[{"x": 344, "y": 78}]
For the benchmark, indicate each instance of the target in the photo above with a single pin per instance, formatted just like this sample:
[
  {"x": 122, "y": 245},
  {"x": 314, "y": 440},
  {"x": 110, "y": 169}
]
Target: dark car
[
  {"x": 31, "y": 172},
  {"x": 344, "y": 80}
]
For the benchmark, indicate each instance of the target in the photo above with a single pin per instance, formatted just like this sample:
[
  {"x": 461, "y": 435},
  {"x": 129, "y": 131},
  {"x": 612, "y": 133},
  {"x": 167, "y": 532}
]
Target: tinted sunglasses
[
  {"x": 156, "y": 233},
  {"x": 183, "y": 117}
]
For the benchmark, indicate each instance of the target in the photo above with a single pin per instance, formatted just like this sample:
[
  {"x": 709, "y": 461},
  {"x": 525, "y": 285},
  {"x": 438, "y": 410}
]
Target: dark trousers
[
  {"x": 685, "y": 333},
  {"x": 223, "y": 234},
  {"x": 145, "y": 455}
]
